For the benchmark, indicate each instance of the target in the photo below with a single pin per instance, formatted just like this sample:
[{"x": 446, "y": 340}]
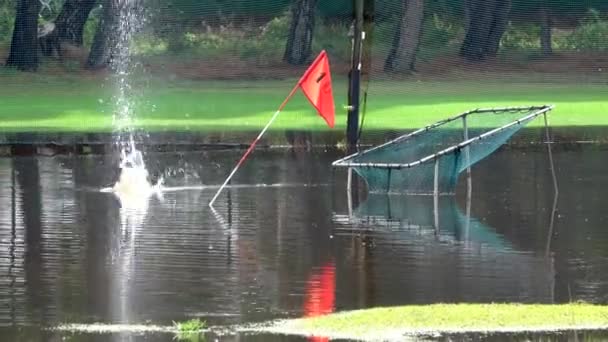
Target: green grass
[
  {"x": 189, "y": 326},
  {"x": 190, "y": 330},
  {"x": 448, "y": 318},
  {"x": 52, "y": 103}
]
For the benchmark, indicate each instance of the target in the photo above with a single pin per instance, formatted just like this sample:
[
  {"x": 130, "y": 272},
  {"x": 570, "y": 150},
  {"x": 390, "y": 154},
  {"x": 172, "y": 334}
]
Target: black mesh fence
[{"x": 208, "y": 72}]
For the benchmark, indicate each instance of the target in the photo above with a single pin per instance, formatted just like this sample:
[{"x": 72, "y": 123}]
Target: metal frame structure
[
  {"x": 464, "y": 145},
  {"x": 350, "y": 218}
]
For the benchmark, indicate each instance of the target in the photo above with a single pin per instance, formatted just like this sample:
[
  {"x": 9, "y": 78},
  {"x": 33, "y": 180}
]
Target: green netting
[{"x": 429, "y": 160}]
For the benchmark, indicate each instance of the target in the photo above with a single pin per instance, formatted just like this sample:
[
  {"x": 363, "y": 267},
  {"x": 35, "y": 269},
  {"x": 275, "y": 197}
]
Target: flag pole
[{"x": 250, "y": 149}]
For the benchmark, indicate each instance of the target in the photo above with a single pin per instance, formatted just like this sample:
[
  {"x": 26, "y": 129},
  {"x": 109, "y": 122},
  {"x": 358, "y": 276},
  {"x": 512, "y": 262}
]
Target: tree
[
  {"x": 120, "y": 21},
  {"x": 499, "y": 25},
  {"x": 299, "y": 41},
  {"x": 487, "y": 25},
  {"x": 545, "y": 29},
  {"x": 69, "y": 25},
  {"x": 407, "y": 37},
  {"x": 105, "y": 39},
  {"x": 468, "y": 13},
  {"x": 24, "y": 44}
]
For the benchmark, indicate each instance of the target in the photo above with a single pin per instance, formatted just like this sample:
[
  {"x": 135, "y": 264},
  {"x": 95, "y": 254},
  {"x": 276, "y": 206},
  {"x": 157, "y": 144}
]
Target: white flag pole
[{"x": 251, "y": 147}]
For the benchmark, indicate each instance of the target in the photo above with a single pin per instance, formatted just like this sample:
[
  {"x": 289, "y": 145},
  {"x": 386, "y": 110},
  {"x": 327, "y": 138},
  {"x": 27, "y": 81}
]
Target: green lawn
[
  {"x": 68, "y": 103},
  {"x": 386, "y": 323}
]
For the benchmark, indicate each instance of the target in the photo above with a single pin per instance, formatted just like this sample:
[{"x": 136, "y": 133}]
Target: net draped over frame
[{"x": 408, "y": 163}]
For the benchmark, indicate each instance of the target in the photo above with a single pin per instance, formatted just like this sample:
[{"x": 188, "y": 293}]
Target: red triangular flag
[{"x": 316, "y": 85}]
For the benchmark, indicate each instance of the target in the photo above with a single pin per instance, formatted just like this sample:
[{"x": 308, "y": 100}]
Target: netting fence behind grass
[{"x": 224, "y": 66}]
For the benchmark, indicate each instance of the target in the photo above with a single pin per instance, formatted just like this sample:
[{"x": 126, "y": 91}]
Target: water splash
[
  {"x": 134, "y": 180},
  {"x": 130, "y": 20},
  {"x": 133, "y": 186}
]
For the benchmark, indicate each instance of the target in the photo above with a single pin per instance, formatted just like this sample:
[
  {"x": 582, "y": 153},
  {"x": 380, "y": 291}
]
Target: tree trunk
[
  {"x": 299, "y": 41},
  {"x": 468, "y": 9},
  {"x": 106, "y": 36},
  {"x": 499, "y": 25},
  {"x": 407, "y": 37},
  {"x": 545, "y": 30},
  {"x": 482, "y": 15},
  {"x": 24, "y": 45},
  {"x": 71, "y": 20},
  {"x": 69, "y": 26},
  {"x": 488, "y": 21}
]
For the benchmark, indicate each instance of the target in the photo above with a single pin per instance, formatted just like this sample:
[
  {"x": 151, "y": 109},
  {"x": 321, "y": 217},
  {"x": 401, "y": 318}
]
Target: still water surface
[{"x": 69, "y": 253}]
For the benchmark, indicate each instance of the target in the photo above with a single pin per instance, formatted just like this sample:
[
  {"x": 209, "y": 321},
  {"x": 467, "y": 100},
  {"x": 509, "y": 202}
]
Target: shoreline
[
  {"x": 395, "y": 323},
  {"x": 66, "y": 143}
]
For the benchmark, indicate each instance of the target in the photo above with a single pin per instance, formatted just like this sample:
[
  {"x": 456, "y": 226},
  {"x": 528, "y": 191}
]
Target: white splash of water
[{"x": 133, "y": 186}]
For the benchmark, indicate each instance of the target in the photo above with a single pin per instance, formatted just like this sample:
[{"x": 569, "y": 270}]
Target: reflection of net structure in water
[
  {"x": 418, "y": 213},
  {"x": 405, "y": 251},
  {"x": 430, "y": 159}
]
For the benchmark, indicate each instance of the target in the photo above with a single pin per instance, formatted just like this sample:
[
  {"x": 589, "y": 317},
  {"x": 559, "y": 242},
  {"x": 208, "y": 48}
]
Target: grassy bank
[
  {"x": 84, "y": 104},
  {"x": 392, "y": 323}
]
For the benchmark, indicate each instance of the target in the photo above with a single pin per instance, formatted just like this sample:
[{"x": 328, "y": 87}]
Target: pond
[{"x": 285, "y": 241}]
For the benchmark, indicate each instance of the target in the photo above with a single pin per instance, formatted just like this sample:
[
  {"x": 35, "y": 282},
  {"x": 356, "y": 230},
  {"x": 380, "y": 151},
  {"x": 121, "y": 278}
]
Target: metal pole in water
[
  {"x": 548, "y": 137},
  {"x": 467, "y": 154},
  {"x": 349, "y": 194},
  {"x": 555, "y": 186},
  {"x": 354, "y": 86},
  {"x": 436, "y": 195}
]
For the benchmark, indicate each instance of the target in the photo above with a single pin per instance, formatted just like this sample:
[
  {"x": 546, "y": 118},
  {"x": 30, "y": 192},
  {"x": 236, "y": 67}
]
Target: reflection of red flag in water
[
  {"x": 320, "y": 295},
  {"x": 316, "y": 85}
]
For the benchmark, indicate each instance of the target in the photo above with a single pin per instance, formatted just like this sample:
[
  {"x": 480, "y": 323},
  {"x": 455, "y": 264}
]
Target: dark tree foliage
[
  {"x": 559, "y": 7},
  {"x": 24, "y": 45},
  {"x": 484, "y": 21},
  {"x": 383, "y": 7},
  {"x": 217, "y": 11}
]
